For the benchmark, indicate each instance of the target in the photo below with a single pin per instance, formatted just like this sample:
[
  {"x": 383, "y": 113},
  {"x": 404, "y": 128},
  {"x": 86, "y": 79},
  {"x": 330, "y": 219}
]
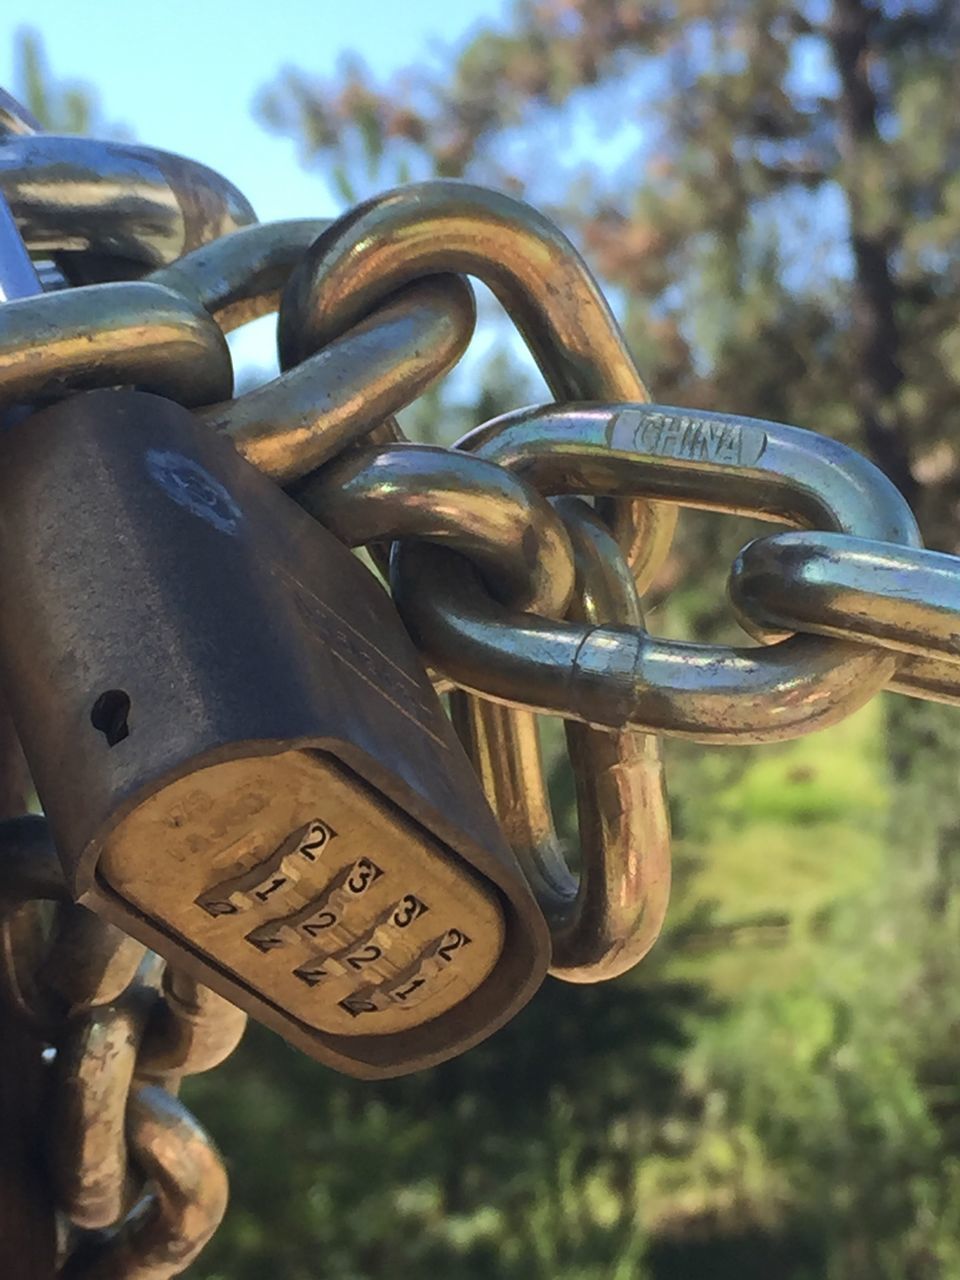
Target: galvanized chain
[{"x": 520, "y": 596}]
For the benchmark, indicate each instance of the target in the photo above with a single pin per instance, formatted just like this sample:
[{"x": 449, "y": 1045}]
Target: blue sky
[{"x": 182, "y": 76}]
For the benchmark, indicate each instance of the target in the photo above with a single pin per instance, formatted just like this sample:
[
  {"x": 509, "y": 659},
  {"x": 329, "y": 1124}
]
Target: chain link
[
  {"x": 528, "y": 263},
  {"x": 829, "y": 584},
  {"x": 125, "y": 1032},
  {"x": 523, "y": 604}
]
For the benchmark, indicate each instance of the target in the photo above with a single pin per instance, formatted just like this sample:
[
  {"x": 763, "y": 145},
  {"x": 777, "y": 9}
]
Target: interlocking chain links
[
  {"x": 89, "y": 962},
  {"x": 603, "y": 924},
  {"x": 107, "y": 210},
  {"x": 621, "y": 677},
  {"x": 899, "y": 598},
  {"x": 78, "y": 998},
  {"x": 120, "y": 1034},
  {"x": 114, "y": 200},
  {"x": 291, "y": 426},
  {"x": 93, "y": 1071},
  {"x": 548, "y": 291},
  {"x": 102, "y": 335},
  {"x": 166, "y": 1231},
  {"x": 500, "y": 523},
  {"x": 240, "y": 276},
  {"x": 604, "y": 921},
  {"x": 191, "y": 1030},
  {"x": 530, "y": 265},
  {"x": 349, "y": 387}
]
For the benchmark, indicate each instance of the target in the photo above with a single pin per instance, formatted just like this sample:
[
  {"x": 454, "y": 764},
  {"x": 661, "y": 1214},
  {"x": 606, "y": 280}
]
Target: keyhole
[{"x": 109, "y": 715}]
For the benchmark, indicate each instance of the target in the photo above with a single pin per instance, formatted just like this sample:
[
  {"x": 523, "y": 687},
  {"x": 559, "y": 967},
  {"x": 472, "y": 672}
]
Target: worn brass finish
[
  {"x": 268, "y": 688},
  {"x": 94, "y": 1071},
  {"x": 89, "y": 962},
  {"x": 185, "y": 1205},
  {"x": 127, "y": 333},
  {"x": 115, "y": 199},
  {"x": 420, "y": 491},
  {"x": 318, "y": 897},
  {"x": 621, "y": 677},
  {"x": 530, "y": 265},
  {"x": 240, "y": 276},
  {"x": 190, "y": 1030},
  {"x": 606, "y": 920},
  {"x": 297, "y": 422}
]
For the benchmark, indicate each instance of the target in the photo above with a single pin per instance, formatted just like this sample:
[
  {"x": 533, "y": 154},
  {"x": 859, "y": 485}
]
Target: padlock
[{"x": 236, "y": 745}]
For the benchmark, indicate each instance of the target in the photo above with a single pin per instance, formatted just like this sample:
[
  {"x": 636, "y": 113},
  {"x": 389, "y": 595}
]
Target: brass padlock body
[{"x": 234, "y": 740}]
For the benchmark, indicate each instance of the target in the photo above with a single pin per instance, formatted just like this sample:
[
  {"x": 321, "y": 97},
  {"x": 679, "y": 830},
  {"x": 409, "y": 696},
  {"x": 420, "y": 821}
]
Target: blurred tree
[
  {"x": 61, "y": 106},
  {"x": 770, "y": 192}
]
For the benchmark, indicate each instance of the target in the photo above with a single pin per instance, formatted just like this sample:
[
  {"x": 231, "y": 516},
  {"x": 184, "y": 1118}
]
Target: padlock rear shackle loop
[{"x": 114, "y": 199}]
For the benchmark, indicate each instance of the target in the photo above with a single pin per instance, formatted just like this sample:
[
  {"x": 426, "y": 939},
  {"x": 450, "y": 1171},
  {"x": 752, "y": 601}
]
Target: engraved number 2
[
  {"x": 355, "y": 1005},
  {"x": 453, "y": 941},
  {"x": 316, "y": 924},
  {"x": 311, "y": 847},
  {"x": 367, "y": 955}
]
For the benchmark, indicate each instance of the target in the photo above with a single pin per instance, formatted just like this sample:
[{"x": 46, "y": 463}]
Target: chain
[
  {"x": 125, "y": 1030},
  {"x": 522, "y": 597}
]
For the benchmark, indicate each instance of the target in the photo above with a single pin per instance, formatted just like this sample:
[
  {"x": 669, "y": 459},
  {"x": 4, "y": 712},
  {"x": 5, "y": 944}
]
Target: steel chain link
[
  {"x": 524, "y": 604},
  {"x": 140, "y": 1185}
]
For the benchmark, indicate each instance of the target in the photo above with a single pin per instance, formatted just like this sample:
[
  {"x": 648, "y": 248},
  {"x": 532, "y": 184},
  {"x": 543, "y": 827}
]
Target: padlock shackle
[{"x": 115, "y": 200}]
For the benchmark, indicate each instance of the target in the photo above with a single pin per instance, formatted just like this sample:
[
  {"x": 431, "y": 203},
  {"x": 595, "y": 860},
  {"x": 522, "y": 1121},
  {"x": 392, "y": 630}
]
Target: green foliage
[
  {"x": 770, "y": 193},
  {"x": 61, "y": 106},
  {"x": 775, "y": 1088}
]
